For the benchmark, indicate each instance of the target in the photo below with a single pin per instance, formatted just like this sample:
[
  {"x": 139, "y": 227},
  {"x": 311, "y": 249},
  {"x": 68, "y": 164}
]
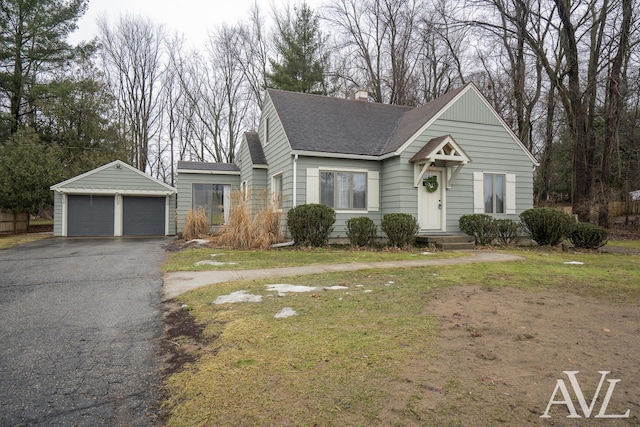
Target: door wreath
[{"x": 430, "y": 183}]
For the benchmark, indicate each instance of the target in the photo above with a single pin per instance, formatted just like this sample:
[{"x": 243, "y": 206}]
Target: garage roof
[{"x": 116, "y": 177}]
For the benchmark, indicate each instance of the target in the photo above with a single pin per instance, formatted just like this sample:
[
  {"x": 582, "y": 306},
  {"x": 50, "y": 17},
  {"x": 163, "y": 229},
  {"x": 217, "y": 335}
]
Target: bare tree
[
  {"x": 132, "y": 54},
  {"x": 614, "y": 108}
]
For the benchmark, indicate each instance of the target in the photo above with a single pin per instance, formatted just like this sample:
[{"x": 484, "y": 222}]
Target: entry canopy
[{"x": 444, "y": 149}]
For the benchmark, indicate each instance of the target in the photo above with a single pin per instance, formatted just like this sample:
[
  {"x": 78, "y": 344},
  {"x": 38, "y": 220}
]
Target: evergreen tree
[
  {"x": 27, "y": 169},
  {"x": 33, "y": 44},
  {"x": 301, "y": 49}
]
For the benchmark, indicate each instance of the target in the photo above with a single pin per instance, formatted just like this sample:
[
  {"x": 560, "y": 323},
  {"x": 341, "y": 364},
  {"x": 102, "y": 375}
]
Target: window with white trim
[
  {"x": 266, "y": 131},
  {"x": 244, "y": 190},
  {"x": 343, "y": 190},
  {"x": 276, "y": 191},
  {"x": 494, "y": 193},
  {"x": 214, "y": 199}
]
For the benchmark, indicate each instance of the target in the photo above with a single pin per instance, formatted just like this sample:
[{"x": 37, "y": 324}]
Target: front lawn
[{"x": 368, "y": 350}]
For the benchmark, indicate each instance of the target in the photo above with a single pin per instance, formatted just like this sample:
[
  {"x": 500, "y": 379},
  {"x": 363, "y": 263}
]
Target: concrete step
[
  {"x": 448, "y": 242},
  {"x": 455, "y": 246}
]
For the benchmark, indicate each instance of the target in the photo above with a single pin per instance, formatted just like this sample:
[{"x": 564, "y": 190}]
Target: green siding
[
  {"x": 304, "y": 163},
  {"x": 185, "y": 183},
  {"x": 277, "y": 152},
  {"x": 470, "y": 108},
  {"x": 491, "y": 148},
  {"x": 113, "y": 177},
  {"x": 57, "y": 214},
  {"x": 256, "y": 177}
]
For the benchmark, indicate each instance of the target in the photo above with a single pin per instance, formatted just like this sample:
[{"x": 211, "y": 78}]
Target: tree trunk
[{"x": 612, "y": 113}]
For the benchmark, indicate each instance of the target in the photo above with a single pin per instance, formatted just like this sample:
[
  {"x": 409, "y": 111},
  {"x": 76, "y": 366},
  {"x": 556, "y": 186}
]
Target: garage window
[{"x": 214, "y": 199}]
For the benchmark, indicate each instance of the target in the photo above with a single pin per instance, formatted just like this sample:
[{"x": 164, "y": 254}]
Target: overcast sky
[{"x": 193, "y": 18}]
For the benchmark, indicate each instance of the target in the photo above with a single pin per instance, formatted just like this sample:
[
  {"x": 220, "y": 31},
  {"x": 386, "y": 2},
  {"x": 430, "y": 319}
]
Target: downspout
[{"x": 295, "y": 180}]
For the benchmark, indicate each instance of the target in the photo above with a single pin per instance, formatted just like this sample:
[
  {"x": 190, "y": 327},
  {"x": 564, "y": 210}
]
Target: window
[
  {"x": 494, "y": 192},
  {"x": 266, "y": 131},
  {"x": 343, "y": 190},
  {"x": 244, "y": 191},
  {"x": 214, "y": 199},
  {"x": 276, "y": 191}
]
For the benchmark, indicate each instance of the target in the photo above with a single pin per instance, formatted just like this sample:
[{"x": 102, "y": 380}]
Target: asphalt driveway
[{"x": 79, "y": 329}]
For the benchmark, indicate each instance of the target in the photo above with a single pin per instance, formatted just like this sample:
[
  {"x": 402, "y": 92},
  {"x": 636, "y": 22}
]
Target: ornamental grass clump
[
  {"x": 196, "y": 224},
  {"x": 244, "y": 230}
]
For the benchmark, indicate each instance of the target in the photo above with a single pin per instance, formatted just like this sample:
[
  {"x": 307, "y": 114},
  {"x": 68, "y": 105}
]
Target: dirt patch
[
  {"x": 183, "y": 338},
  {"x": 502, "y": 352}
]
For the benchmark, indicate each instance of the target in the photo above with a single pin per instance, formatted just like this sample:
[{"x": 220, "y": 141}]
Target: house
[
  {"x": 114, "y": 200},
  {"x": 450, "y": 157}
]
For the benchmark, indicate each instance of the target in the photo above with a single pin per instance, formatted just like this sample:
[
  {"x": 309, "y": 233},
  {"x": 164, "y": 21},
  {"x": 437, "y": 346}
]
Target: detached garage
[{"x": 114, "y": 200}]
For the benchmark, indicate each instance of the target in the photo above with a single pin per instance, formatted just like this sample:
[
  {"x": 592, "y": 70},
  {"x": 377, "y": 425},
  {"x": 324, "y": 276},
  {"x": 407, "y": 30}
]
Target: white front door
[{"x": 431, "y": 203}]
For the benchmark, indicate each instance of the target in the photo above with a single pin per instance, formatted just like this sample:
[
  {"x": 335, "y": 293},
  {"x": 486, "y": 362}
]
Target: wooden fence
[
  {"x": 13, "y": 223},
  {"x": 624, "y": 208},
  {"x": 616, "y": 209}
]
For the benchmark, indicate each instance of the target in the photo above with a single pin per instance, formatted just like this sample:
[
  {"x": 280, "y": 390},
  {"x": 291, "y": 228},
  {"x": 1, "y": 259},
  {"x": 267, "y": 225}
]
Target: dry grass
[
  {"x": 247, "y": 231},
  {"x": 196, "y": 224}
]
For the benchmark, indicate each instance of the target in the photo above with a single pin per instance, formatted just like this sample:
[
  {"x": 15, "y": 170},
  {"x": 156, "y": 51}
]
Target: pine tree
[
  {"x": 33, "y": 44},
  {"x": 303, "y": 59}
]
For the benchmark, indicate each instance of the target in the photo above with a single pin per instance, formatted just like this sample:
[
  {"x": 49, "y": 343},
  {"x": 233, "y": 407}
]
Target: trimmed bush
[
  {"x": 401, "y": 229},
  {"x": 311, "y": 224},
  {"x": 588, "y": 236},
  {"x": 547, "y": 226},
  {"x": 480, "y": 226},
  {"x": 361, "y": 231},
  {"x": 508, "y": 231}
]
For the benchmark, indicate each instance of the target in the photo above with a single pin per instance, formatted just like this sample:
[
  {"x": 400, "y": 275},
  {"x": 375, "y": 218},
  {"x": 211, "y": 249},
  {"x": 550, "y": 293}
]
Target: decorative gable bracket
[{"x": 444, "y": 149}]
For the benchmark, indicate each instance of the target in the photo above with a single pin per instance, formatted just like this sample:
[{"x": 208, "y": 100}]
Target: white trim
[
  {"x": 313, "y": 185},
  {"x": 478, "y": 192},
  {"x": 510, "y": 194},
  {"x": 118, "y": 215},
  {"x": 273, "y": 198},
  {"x": 111, "y": 191},
  {"x": 336, "y": 155},
  {"x": 166, "y": 214},
  {"x": 443, "y": 200},
  {"x": 295, "y": 180},
  {"x": 208, "y": 172},
  {"x": 373, "y": 191},
  {"x": 118, "y": 164},
  {"x": 64, "y": 215}
]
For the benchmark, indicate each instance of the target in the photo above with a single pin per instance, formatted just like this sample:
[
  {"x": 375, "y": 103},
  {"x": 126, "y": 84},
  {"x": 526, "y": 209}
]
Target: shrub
[
  {"x": 508, "y": 231},
  {"x": 361, "y": 231},
  {"x": 480, "y": 226},
  {"x": 311, "y": 224},
  {"x": 547, "y": 226},
  {"x": 196, "y": 224},
  {"x": 401, "y": 229},
  {"x": 588, "y": 236}
]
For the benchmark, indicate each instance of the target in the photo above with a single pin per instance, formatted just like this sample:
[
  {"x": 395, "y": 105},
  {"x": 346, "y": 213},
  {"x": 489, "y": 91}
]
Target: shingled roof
[
  {"x": 255, "y": 148},
  {"x": 325, "y": 124}
]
